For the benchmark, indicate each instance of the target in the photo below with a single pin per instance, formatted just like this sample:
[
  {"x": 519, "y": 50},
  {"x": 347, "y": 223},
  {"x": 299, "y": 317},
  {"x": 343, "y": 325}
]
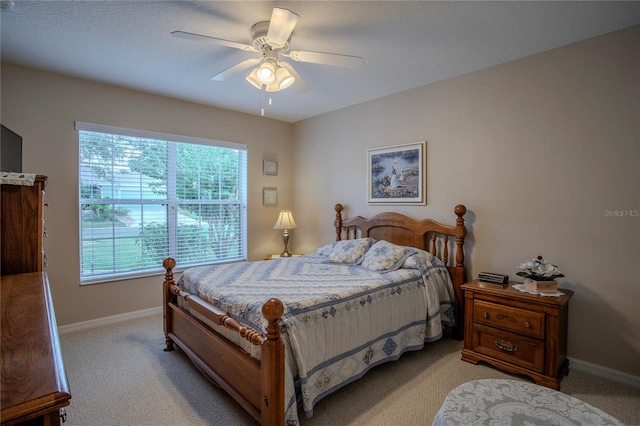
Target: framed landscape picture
[{"x": 396, "y": 175}]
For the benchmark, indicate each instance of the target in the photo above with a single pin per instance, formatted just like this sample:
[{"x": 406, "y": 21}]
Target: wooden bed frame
[{"x": 258, "y": 385}]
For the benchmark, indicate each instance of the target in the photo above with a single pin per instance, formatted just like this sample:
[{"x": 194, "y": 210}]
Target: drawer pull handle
[
  {"x": 506, "y": 346},
  {"x": 485, "y": 315},
  {"x": 527, "y": 324}
]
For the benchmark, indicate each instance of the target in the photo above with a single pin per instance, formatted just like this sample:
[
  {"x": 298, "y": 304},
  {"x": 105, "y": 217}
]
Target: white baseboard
[
  {"x": 78, "y": 326},
  {"x": 607, "y": 373}
]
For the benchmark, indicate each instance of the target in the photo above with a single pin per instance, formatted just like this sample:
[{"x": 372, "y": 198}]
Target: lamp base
[{"x": 285, "y": 240}]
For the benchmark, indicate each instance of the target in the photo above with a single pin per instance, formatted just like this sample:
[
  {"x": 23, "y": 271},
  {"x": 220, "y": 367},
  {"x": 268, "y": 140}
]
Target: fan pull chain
[{"x": 270, "y": 102}]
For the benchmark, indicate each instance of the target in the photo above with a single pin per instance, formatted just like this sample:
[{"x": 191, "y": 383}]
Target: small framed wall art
[
  {"x": 269, "y": 196},
  {"x": 270, "y": 167},
  {"x": 396, "y": 175}
]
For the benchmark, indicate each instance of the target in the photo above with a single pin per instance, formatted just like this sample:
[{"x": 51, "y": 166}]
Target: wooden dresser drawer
[
  {"x": 529, "y": 323},
  {"x": 509, "y": 347},
  {"x": 33, "y": 382}
]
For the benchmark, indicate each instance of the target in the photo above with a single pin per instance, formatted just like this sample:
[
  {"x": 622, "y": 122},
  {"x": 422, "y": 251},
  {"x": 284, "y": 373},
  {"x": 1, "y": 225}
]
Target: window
[{"x": 147, "y": 196}]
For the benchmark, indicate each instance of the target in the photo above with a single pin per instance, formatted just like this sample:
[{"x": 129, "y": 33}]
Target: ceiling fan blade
[
  {"x": 326, "y": 58},
  {"x": 237, "y": 68},
  {"x": 299, "y": 85},
  {"x": 281, "y": 25},
  {"x": 218, "y": 41}
]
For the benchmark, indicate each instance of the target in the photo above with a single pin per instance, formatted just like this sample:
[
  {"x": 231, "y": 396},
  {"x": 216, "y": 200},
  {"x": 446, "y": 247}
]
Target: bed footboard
[{"x": 258, "y": 386}]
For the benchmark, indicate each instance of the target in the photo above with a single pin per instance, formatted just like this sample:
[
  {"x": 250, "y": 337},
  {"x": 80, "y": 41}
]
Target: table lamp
[{"x": 285, "y": 221}]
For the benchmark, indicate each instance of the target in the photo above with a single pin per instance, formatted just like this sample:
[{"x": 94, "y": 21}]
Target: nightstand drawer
[
  {"x": 507, "y": 318},
  {"x": 510, "y": 347}
]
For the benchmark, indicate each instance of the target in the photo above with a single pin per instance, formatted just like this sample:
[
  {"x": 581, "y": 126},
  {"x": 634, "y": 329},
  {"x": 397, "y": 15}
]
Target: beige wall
[
  {"x": 537, "y": 149},
  {"x": 42, "y": 108}
]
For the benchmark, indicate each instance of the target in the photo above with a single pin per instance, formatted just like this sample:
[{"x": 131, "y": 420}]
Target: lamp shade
[
  {"x": 283, "y": 80},
  {"x": 253, "y": 79},
  {"x": 267, "y": 72},
  {"x": 287, "y": 80},
  {"x": 285, "y": 221}
]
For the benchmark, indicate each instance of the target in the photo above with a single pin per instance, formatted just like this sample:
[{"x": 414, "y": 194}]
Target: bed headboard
[{"x": 425, "y": 234}]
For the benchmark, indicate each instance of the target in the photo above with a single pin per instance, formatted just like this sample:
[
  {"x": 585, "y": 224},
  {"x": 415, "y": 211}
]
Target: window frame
[{"x": 169, "y": 202}]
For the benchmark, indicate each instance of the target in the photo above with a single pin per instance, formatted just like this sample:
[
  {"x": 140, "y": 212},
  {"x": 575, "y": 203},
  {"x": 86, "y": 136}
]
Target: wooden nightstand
[{"x": 517, "y": 332}]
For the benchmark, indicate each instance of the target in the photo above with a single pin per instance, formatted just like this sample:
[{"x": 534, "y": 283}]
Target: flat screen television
[{"x": 10, "y": 151}]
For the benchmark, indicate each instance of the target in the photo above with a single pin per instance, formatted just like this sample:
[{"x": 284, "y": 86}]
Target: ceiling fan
[{"x": 271, "y": 39}]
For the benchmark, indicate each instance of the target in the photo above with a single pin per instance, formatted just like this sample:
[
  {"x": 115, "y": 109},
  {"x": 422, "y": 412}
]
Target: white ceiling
[{"x": 404, "y": 44}]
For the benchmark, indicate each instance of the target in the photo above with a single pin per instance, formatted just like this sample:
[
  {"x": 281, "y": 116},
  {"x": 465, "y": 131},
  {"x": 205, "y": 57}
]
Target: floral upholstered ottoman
[{"x": 512, "y": 402}]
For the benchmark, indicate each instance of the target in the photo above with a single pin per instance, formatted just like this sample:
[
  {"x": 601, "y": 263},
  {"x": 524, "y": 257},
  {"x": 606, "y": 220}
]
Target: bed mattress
[{"x": 339, "y": 320}]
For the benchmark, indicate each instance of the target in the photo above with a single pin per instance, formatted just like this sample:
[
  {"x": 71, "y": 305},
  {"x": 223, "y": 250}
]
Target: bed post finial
[
  {"x": 169, "y": 263},
  {"x": 273, "y": 310},
  {"x": 461, "y": 232},
  {"x": 338, "y": 222}
]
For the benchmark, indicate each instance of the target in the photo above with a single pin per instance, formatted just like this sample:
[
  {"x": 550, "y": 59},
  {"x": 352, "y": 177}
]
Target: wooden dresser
[
  {"x": 33, "y": 383},
  {"x": 517, "y": 332},
  {"x": 22, "y": 228}
]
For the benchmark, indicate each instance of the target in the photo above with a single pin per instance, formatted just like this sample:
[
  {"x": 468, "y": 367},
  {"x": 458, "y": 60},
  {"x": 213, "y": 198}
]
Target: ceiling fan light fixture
[
  {"x": 284, "y": 78},
  {"x": 254, "y": 80},
  {"x": 267, "y": 72},
  {"x": 271, "y": 39}
]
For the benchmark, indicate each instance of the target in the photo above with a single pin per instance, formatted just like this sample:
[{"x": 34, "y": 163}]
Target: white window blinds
[{"x": 146, "y": 196}]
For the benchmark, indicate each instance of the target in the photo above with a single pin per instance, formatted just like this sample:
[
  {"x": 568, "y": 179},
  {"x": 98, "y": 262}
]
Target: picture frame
[
  {"x": 397, "y": 175},
  {"x": 269, "y": 196},
  {"x": 270, "y": 167}
]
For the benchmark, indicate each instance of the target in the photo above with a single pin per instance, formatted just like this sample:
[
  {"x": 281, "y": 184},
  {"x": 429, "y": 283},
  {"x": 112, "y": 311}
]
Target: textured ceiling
[{"x": 404, "y": 44}]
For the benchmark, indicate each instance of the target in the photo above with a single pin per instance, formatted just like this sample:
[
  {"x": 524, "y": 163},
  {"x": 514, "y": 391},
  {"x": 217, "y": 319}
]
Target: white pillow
[
  {"x": 384, "y": 256},
  {"x": 325, "y": 250},
  {"x": 350, "y": 251},
  {"x": 421, "y": 260}
]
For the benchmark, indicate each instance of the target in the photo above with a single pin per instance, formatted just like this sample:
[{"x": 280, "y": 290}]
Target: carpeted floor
[{"x": 119, "y": 375}]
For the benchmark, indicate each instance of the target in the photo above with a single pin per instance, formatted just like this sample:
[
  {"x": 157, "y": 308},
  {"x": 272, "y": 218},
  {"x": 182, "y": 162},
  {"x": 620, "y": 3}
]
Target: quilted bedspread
[{"x": 339, "y": 320}]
